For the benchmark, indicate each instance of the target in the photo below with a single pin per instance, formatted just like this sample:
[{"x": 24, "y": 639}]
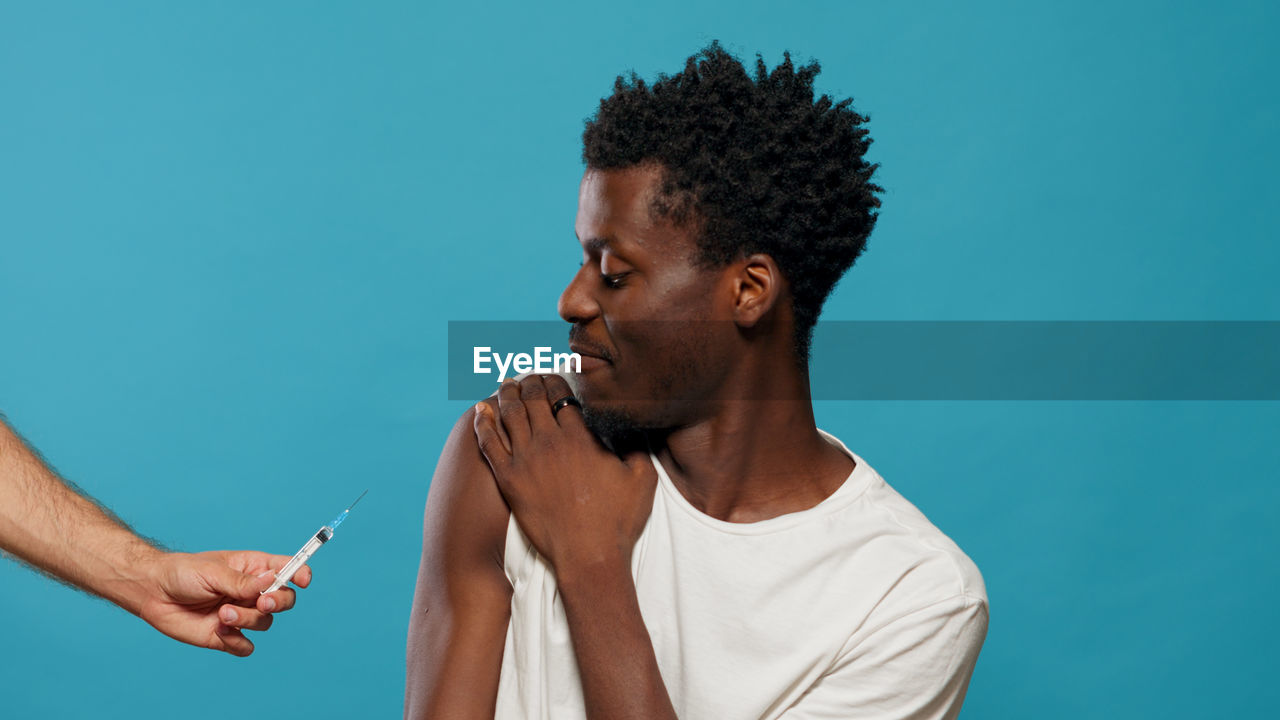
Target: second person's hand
[{"x": 207, "y": 599}]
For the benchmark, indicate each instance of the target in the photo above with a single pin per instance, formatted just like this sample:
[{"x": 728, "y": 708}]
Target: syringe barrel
[{"x": 298, "y": 560}]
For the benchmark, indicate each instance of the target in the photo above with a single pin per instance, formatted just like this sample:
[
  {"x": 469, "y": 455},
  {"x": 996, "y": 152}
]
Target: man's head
[{"x": 720, "y": 209}]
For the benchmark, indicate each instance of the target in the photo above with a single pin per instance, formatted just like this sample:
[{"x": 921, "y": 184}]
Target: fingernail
[
  {"x": 228, "y": 615},
  {"x": 269, "y": 604}
]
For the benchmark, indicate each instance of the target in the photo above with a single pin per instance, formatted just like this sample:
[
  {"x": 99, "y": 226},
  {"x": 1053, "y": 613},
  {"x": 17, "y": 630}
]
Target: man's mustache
[{"x": 581, "y": 344}]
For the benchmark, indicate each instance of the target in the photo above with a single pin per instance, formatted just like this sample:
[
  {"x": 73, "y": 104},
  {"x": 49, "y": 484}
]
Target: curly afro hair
[{"x": 755, "y": 163}]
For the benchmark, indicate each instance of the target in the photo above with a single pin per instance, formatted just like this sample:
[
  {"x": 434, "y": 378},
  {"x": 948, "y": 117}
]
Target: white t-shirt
[{"x": 855, "y": 608}]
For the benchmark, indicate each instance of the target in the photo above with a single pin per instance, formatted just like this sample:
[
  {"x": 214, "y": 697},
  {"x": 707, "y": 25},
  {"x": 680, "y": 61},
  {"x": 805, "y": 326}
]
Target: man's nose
[{"x": 576, "y": 304}]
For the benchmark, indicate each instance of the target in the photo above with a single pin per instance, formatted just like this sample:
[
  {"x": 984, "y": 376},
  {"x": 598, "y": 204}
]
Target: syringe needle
[
  {"x": 322, "y": 536},
  {"x": 366, "y": 492}
]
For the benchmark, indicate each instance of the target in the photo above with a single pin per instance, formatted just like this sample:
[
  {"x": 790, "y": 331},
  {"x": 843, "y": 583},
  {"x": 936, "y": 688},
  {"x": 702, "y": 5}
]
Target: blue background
[{"x": 231, "y": 239}]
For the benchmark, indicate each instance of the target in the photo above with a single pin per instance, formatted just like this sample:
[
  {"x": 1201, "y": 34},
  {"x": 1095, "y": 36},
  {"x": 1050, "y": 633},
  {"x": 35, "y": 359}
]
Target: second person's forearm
[{"x": 52, "y": 527}]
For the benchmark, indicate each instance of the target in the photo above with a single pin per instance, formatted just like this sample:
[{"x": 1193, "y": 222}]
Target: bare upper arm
[{"x": 463, "y": 599}]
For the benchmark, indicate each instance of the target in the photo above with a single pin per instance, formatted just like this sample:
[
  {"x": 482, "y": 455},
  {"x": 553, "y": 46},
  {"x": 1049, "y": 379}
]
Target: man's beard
[{"x": 620, "y": 431}]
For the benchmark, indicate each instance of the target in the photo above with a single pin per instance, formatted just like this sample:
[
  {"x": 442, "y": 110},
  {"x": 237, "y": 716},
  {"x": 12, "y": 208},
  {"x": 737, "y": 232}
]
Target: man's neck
[{"x": 756, "y": 459}]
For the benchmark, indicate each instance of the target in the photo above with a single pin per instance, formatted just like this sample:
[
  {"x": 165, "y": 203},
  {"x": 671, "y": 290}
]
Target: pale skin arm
[
  {"x": 204, "y": 599},
  {"x": 583, "y": 508}
]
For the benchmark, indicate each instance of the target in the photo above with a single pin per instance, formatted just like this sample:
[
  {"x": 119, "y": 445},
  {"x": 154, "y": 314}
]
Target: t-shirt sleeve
[{"x": 916, "y": 667}]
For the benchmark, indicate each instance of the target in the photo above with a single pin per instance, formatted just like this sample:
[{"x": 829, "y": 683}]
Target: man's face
[{"x": 651, "y": 326}]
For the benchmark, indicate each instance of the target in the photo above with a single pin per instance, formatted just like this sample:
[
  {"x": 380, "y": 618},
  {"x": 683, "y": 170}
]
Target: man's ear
[{"x": 757, "y": 287}]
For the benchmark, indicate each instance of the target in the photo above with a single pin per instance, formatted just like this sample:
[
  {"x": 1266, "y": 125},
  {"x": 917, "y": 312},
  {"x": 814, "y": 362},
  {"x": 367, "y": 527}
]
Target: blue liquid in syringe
[
  {"x": 338, "y": 520},
  {"x": 343, "y": 515}
]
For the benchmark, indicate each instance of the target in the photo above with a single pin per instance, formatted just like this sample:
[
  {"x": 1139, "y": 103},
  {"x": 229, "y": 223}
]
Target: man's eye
[{"x": 614, "y": 281}]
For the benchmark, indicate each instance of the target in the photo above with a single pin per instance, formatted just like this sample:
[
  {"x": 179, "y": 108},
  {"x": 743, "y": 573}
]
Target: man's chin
[{"x": 615, "y": 427}]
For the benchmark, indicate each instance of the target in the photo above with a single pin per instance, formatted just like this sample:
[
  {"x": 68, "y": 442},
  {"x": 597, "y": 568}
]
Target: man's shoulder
[
  {"x": 466, "y": 515},
  {"x": 926, "y": 562},
  {"x": 464, "y": 500}
]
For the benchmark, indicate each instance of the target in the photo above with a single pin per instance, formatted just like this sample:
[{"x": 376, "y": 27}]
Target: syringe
[{"x": 321, "y": 537}]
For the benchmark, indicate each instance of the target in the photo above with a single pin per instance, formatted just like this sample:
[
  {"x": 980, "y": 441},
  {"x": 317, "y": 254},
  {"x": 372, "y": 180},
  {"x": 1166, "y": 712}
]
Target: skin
[
  {"x": 204, "y": 599},
  {"x": 691, "y": 382}
]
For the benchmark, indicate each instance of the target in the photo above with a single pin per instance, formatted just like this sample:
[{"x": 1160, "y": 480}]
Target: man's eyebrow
[{"x": 596, "y": 244}]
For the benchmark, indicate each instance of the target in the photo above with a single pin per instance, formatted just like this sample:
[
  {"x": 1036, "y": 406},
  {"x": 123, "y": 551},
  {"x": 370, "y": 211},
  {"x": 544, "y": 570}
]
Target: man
[
  {"x": 205, "y": 599},
  {"x": 672, "y": 536}
]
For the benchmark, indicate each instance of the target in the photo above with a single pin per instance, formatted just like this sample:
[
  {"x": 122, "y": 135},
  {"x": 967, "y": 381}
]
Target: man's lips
[
  {"x": 590, "y": 351},
  {"x": 593, "y": 356}
]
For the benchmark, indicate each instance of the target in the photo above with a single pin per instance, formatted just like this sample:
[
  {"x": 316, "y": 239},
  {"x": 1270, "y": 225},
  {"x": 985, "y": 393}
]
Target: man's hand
[
  {"x": 207, "y": 598},
  {"x": 581, "y": 506},
  {"x": 583, "y": 509}
]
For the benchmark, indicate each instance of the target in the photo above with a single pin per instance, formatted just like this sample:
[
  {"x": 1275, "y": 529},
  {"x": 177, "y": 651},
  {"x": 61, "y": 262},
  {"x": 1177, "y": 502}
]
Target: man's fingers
[
  {"x": 276, "y": 563},
  {"x": 244, "y": 618},
  {"x": 639, "y": 462},
  {"x": 533, "y": 393},
  {"x": 557, "y": 389},
  {"x": 233, "y": 583},
  {"x": 278, "y": 601},
  {"x": 512, "y": 412},
  {"x": 491, "y": 405},
  {"x": 229, "y": 639},
  {"x": 302, "y": 578},
  {"x": 491, "y": 445}
]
